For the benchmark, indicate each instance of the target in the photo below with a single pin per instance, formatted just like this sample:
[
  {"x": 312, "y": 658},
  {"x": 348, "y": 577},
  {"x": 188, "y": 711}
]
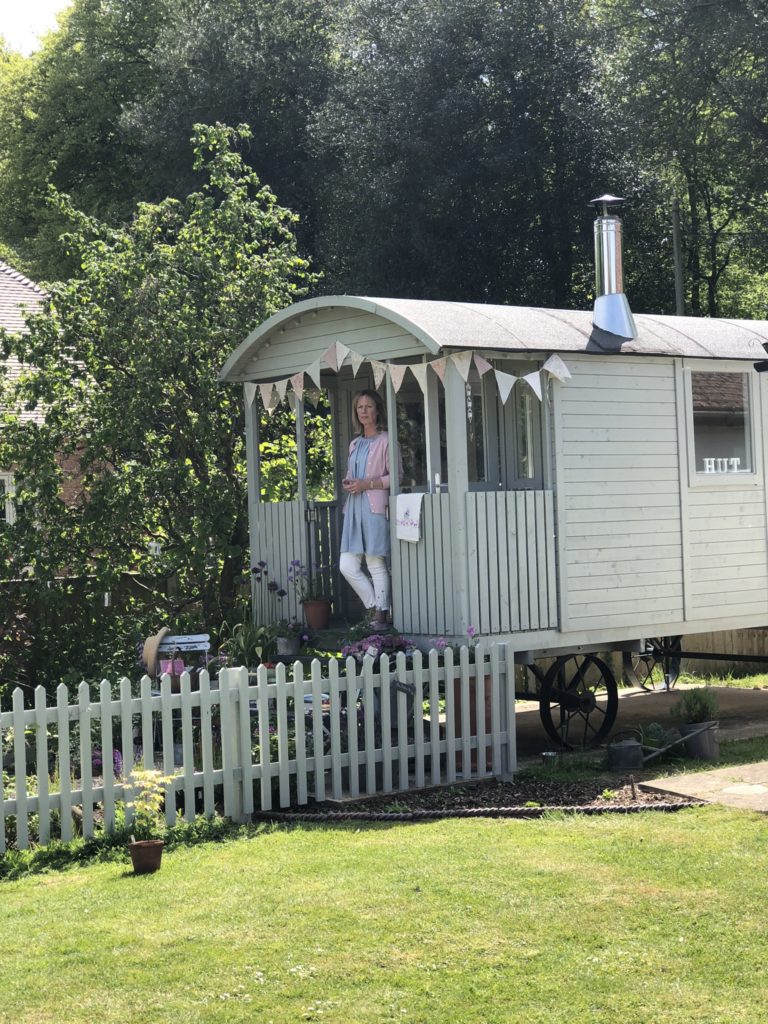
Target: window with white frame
[
  {"x": 722, "y": 433},
  {"x": 7, "y": 513}
]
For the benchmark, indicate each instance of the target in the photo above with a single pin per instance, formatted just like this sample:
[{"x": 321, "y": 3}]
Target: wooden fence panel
[{"x": 383, "y": 727}]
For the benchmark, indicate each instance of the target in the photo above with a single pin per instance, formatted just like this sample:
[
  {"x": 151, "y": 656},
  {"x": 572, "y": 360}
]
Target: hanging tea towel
[{"x": 409, "y": 517}]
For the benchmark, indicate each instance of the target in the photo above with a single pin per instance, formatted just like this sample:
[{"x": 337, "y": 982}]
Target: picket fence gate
[{"x": 250, "y": 742}]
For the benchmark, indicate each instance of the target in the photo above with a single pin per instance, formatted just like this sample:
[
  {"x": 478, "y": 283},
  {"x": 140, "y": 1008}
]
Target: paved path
[
  {"x": 743, "y": 714},
  {"x": 744, "y": 786}
]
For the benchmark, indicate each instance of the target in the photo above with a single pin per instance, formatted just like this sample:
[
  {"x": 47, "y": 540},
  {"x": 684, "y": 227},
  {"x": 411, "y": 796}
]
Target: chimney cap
[{"x": 605, "y": 201}]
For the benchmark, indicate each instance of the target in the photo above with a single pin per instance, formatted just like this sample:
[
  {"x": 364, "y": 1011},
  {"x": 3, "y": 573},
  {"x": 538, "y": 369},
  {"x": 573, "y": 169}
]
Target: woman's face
[{"x": 366, "y": 412}]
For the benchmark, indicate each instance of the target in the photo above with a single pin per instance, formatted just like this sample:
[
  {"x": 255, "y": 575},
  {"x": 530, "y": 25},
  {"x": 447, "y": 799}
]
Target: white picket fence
[{"x": 252, "y": 742}]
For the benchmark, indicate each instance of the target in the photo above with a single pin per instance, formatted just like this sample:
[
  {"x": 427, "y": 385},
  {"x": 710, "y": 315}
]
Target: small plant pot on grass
[
  {"x": 146, "y": 855},
  {"x": 698, "y": 710}
]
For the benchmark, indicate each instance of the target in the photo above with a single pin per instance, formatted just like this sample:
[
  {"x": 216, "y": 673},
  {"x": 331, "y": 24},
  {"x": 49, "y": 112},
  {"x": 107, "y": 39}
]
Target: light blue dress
[{"x": 364, "y": 532}]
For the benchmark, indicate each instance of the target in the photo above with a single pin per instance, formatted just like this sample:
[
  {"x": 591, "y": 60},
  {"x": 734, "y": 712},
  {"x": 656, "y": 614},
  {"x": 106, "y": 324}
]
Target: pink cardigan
[{"x": 377, "y": 465}]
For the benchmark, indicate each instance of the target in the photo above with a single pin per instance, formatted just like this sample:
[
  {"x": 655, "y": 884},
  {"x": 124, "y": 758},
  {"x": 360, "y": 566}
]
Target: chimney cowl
[{"x": 611, "y": 311}]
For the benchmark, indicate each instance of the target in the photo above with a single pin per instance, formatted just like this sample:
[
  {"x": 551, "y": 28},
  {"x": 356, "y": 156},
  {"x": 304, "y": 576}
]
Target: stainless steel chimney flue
[{"x": 611, "y": 312}]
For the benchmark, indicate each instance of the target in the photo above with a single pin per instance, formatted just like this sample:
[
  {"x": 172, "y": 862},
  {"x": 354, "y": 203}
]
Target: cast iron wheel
[
  {"x": 656, "y": 668},
  {"x": 579, "y": 701}
]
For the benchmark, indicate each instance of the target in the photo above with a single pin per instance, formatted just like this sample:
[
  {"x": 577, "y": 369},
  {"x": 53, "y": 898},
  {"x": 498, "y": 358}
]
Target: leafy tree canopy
[{"x": 124, "y": 361}]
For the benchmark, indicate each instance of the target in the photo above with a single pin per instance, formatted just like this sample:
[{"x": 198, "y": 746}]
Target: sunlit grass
[{"x": 650, "y": 919}]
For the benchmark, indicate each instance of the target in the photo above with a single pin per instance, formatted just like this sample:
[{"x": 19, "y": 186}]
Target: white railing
[{"x": 251, "y": 742}]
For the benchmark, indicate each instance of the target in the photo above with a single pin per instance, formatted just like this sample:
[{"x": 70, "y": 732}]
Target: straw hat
[{"x": 151, "y": 646}]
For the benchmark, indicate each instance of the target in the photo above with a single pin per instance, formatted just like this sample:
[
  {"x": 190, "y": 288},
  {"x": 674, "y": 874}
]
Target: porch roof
[{"x": 440, "y": 326}]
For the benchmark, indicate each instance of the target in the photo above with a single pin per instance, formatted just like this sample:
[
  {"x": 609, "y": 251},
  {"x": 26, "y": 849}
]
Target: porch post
[
  {"x": 253, "y": 463},
  {"x": 394, "y": 481},
  {"x": 301, "y": 451},
  {"x": 432, "y": 430},
  {"x": 458, "y": 485}
]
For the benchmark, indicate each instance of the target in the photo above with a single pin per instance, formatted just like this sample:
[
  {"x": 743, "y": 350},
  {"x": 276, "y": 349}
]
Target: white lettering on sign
[{"x": 722, "y": 465}]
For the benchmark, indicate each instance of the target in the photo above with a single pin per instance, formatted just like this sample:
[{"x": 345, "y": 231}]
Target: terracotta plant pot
[
  {"x": 146, "y": 855},
  {"x": 317, "y": 613}
]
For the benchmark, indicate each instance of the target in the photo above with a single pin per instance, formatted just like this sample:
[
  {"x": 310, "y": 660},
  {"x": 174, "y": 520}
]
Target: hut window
[
  {"x": 6, "y": 498},
  {"x": 721, "y": 422}
]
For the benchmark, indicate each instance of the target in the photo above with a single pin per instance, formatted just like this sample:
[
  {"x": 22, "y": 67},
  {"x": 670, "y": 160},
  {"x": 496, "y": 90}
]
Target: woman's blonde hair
[{"x": 378, "y": 401}]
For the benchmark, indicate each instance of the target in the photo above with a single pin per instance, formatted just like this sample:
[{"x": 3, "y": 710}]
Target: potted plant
[
  {"x": 311, "y": 590},
  {"x": 289, "y": 636},
  {"x": 145, "y": 794},
  {"x": 247, "y": 644},
  {"x": 697, "y": 710}
]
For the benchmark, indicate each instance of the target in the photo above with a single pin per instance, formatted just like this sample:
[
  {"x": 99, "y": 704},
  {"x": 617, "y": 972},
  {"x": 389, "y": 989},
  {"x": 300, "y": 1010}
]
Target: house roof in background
[
  {"x": 452, "y": 326},
  {"x": 17, "y": 295}
]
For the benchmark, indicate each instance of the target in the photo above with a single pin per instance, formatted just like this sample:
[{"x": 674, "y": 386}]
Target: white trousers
[{"x": 373, "y": 591}]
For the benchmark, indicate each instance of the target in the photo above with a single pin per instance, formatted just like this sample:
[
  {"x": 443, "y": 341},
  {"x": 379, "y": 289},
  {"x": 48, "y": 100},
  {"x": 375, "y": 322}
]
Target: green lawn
[{"x": 639, "y": 920}]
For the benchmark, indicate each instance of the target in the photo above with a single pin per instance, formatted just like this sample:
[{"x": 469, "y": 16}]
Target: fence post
[
  {"x": 508, "y": 713},
  {"x": 41, "y": 766},
  {"x": 230, "y": 746}
]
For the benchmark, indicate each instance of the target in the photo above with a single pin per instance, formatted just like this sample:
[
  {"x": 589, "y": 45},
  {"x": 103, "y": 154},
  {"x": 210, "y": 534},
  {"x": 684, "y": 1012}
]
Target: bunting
[
  {"x": 273, "y": 393},
  {"x": 379, "y": 370},
  {"x": 483, "y": 366},
  {"x": 557, "y": 368},
  {"x": 313, "y": 371},
  {"x": 504, "y": 382},
  {"x": 330, "y": 358},
  {"x": 357, "y": 361},
  {"x": 419, "y": 371},
  {"x": 463, "y": 362},
  {"x": 438, "y": 365},
  {"x": 534, "y": 380},
  {"x": 396, "y": 373}
]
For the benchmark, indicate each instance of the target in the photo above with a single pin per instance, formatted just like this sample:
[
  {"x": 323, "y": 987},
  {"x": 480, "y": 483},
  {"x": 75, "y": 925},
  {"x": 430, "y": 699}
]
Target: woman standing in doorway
[{"x": 366, "y": 528}]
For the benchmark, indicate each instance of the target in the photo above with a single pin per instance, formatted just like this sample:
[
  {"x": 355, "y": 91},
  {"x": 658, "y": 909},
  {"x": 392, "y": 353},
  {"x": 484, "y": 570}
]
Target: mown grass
[{"x": 649, "y": 919}]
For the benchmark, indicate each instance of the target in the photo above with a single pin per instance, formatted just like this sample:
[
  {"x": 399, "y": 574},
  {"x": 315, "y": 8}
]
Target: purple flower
[
  {"x": 281, "y": 592},
  {"x": 272, "y": 586},
  {"x": 471, "y": 632}
]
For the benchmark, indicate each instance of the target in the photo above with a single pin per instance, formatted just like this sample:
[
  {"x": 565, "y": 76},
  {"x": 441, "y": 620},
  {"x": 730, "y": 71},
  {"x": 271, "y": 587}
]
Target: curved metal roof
[{"x": 469, "y": 325}]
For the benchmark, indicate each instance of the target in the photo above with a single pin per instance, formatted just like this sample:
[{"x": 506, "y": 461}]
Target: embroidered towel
[{"x": 408, "y": 512}]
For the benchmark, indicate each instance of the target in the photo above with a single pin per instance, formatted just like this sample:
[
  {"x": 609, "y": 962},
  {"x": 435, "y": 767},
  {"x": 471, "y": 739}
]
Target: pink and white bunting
[
  {"x": 330, "y": 359},
  {"x": 250, "y": 393},
  {"x": 438, "y": 365},
  {"x": 341, "y": 353},
  {"x": 313, "y": 371},
  {"x": 482, "y": 364},
  {"x": 396, "y": 374},
  {"x": 281, "y": 386},
  {"x": 267, "y": 397},
  {"x": 463, "y": 363},
  {"x": 297, "y": 383},
  {"x": 379, "y": 370}
]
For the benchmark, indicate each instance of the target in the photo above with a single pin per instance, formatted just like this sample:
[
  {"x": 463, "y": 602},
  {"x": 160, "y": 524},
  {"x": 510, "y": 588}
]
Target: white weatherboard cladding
[
  {"x": 619, "y": 512},
  {"x": 298, "y": 343},
  {"x": 727, "y": 554}
]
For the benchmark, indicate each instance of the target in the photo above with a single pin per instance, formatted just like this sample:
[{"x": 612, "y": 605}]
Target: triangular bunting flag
[
  {"x": 341, "y": 353},
  {"x": 396, "y": 373},
  {"x": 534, "y": 379},
  {"x": 267, "y": 391},
  {"x": 419, "y": 371},
  {"x": 314, "y": 372},
  {"x": 438, "y": 365},
  {"x": 281, "y": 386},
  {"x": 462, "y": 361},
  {"x": 482, "y": 364},
  {"x": 379, "y": 371},
  {"x": 504, "y": 382},
  {"x": 357, "y": 361},
  {"x": 329, "y": 358},
  {"x": 292, "y": 401},
  {"x": 250, "y": 393},
  {"x": 297, "y": 383},
  {"x": 557, "y": 368}
]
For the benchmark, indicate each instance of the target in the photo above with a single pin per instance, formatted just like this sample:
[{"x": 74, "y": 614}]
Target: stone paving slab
[{"x": 744, "y": 786}]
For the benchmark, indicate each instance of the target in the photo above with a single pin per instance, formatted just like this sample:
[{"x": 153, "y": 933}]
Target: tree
[
  {"x": 690, "y": 77},
  {"x": 124, "y": 360},
  {"x": 460, "y": 142}
]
